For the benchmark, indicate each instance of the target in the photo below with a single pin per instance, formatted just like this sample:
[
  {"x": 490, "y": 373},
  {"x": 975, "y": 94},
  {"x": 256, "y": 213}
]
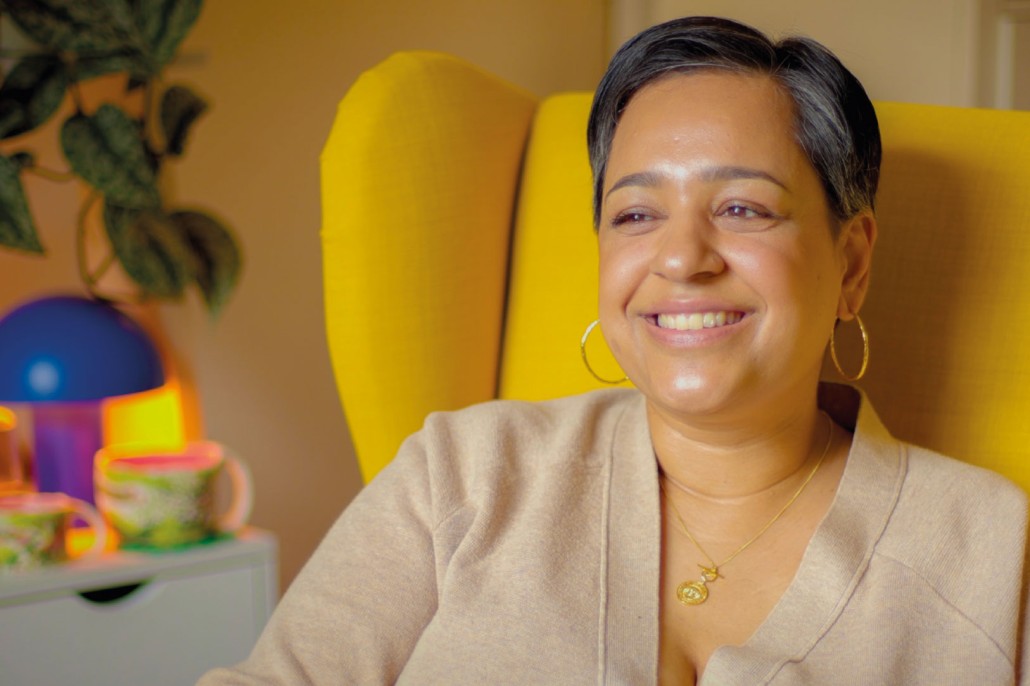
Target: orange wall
[{"x": 274, "y": 72}]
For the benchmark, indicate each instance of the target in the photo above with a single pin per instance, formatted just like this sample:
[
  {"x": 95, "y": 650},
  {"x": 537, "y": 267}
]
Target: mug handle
[
  {"x": 242, "y": 496},
  {"x": 89, "y": 514}
]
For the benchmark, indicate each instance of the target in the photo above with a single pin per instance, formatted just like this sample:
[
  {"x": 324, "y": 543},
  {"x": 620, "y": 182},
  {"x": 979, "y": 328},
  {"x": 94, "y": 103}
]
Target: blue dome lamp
[{"x": 64, "y": 354}]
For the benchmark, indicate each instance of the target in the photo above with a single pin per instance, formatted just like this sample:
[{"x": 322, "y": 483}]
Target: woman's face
[{"x": 720, "y": 278}]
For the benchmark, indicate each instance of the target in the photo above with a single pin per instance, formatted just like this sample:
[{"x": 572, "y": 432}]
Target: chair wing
[{"x": 418, "y": 183}]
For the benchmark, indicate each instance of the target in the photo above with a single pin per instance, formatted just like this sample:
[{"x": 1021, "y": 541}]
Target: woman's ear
[{"x": 855, "y": 245}]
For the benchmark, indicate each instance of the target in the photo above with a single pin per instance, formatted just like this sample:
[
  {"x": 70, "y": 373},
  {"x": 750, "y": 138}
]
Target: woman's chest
[
  {"x": 736, "y": 606},
  {"x": 520, "y": 598}
]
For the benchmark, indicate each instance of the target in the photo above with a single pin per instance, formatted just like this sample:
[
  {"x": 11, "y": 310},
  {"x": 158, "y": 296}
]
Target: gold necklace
[{"x": 696, "y": 592}]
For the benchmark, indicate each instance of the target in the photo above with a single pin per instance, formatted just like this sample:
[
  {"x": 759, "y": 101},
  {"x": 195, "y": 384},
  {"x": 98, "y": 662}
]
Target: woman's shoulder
[
  {"x": 540, "y": 419},
  {"x": 931, "y": 481},
  {"x": 937, "y": 481},
  {"x": 471, "y": 459},
  {"x": 952, "y": 519},
  {"x": 510, "y": 440},
  {"x": 955, "y": 527}
]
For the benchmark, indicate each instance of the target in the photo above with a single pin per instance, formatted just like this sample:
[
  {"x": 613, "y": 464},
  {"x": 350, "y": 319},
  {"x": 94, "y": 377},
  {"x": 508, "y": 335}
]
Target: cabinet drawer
[{"x": 166, "y": 626}]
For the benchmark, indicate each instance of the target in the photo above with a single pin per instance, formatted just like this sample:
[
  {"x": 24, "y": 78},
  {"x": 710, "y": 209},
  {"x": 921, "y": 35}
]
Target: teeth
[{"x": 697, "y": 320}]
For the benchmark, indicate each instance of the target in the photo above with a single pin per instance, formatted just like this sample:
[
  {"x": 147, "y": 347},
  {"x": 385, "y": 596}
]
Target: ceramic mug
[
  {"x": 34, "y": 529},
  {"x": 167, "y": 498}
]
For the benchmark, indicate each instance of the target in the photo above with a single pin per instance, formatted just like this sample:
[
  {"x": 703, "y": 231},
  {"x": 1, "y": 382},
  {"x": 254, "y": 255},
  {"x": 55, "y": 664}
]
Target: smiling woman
[
  {"x": 731, "y": 520},
  {"x": 714, "y": 212}
]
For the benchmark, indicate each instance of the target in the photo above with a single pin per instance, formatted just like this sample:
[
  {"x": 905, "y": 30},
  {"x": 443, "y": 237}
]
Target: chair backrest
[{"x": 434, "y": 302}]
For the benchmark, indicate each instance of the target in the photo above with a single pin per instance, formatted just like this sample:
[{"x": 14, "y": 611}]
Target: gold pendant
[
  {"x": 696, "y": 592},
  {"x": 692, "y": 592}
]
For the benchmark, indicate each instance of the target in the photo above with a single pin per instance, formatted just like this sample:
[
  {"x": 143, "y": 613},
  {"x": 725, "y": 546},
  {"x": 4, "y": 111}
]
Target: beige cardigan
[{"x": 518, "y": 543}]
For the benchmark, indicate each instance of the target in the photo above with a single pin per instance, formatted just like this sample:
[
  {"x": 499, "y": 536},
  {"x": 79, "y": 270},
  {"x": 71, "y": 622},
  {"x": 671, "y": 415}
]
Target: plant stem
[
  {"x": 102, "y": 269},
  {"x": 149, "y": 105},
  {"x": 77, "y": 97},
  {"x": 51, "y": 174},
  {"x": 92, "y": 279},
  {"x": 80, "y": 243}
]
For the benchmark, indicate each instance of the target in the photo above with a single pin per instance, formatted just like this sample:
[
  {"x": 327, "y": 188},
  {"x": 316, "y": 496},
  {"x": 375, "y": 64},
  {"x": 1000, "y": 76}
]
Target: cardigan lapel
[
  {"x": 631, "y": 555},
  {"x": 836, "y": 557}
]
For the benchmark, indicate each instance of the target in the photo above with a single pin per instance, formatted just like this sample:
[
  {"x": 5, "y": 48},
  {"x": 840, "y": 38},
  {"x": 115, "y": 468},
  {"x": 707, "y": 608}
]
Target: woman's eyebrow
[
  {"x": 653, "y": 179},
  {"x": 648, "y": 179},
  {"x": 731, "y": 173}
]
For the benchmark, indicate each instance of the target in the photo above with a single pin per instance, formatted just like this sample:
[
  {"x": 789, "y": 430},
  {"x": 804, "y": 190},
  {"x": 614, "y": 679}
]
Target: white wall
[
  {"x": 1006, "y": 41},
  {"x": 902, "y": 50}
]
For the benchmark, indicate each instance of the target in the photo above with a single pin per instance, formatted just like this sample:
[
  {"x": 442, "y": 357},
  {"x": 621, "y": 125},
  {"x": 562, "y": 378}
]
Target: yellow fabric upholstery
[
  {"x": 553, "y": 282},
  {"x": 418, "y": 185},
  {"x": 950, "y": 353},
  {"x": 950, "y": 343}
]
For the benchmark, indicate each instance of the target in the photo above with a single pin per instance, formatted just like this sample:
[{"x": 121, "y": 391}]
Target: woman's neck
[{"x": 738, "y": 460}]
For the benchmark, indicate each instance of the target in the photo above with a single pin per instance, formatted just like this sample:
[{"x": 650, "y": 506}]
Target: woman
[{"x": 732, "y": 521}]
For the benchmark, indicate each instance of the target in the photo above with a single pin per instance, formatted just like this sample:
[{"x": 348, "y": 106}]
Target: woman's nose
[{"x": 687, "y": 250}]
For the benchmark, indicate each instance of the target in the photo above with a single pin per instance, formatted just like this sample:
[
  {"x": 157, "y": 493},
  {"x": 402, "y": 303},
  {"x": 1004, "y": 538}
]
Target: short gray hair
[{"x": 835, "y": 122}]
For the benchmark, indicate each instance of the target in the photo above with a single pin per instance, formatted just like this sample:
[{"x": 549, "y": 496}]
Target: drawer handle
[{"x": 112, "y": 594}]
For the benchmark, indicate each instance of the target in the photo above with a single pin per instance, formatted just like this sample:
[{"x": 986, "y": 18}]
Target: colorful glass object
[
  {"x": 65, "y": 354},
  {"x": 11, "y": 477}
]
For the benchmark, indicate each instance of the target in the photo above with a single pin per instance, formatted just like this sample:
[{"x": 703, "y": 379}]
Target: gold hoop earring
[
  {"x": 583, "y": 352},
  {"x": 865, "y": 350}
]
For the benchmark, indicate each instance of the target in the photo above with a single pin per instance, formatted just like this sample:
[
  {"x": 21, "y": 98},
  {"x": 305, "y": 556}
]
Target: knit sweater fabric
[{"x": 519, "y": 543}]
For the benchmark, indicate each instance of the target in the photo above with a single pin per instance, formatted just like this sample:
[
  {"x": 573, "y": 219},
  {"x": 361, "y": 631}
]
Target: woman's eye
[
  {"x": 744, "y": 212},
  {"x": 741, "y": 216},
  {"x": 630, "y": 218}
]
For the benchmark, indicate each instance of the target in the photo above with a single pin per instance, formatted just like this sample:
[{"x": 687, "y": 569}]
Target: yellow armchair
[{"x": 460, "y": 260}]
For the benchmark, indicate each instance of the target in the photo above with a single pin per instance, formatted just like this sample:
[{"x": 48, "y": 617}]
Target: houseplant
[{"x": 118, "y": 149}]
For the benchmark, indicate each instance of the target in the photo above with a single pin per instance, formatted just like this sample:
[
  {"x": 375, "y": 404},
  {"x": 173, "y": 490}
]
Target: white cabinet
[{"x": 137, "y": 618}]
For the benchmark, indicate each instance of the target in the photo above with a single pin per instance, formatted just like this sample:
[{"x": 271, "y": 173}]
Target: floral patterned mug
[
  {"x": 167, "y": 498},
  {"x": 34, "y": 529}
]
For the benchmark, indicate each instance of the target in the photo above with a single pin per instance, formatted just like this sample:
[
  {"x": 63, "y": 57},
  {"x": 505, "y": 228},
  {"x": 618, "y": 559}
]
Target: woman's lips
[{"x": 695, "y": 321}]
